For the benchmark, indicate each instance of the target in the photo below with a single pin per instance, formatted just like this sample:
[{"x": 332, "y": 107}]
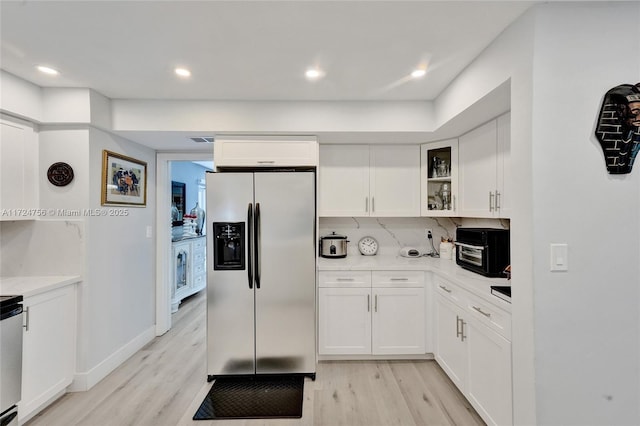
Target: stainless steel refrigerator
[{"x": 261, "y": 273}]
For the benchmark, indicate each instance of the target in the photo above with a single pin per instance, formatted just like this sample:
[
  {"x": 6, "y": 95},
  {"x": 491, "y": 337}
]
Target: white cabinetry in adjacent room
[
  {"x": 18, "y": 171},
  {"x": 369, "y": 180},
  {"x": 189, "y": 269},
  {"x": 364, "y": 313},
  {"x": 473, "y": 347},
  {"x": 49, "y": 348},
  {"x": 484, "y": 178}
]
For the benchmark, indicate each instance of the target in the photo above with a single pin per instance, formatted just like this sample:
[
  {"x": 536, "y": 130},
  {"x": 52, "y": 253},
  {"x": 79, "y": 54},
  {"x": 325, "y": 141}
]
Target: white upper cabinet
[
  {"x": 504, "y": 164},
  {"x": 18, "y": 171},
  {"x": 343, "y": 180},
  {"x": 484, "y": 155},
  {"x": 265, "y": 151},
  {"x": 363, "y": 180},
  {"x": 439, "y": 178},
  {"x": 394, "y": 177}
]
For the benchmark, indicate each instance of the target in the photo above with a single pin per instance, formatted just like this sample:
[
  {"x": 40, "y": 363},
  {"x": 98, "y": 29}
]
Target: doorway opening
[{"x": 181, "y": 237}]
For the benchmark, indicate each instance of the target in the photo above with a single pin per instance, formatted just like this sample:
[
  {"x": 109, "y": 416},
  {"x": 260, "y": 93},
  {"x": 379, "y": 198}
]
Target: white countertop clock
[{"x": 368, "y": 246}]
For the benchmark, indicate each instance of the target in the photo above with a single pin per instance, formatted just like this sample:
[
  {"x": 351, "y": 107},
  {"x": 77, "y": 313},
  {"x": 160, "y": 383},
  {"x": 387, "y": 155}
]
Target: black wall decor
[
  {"x": 618, "y": 128},
  {"x": 60, "y": 174}
]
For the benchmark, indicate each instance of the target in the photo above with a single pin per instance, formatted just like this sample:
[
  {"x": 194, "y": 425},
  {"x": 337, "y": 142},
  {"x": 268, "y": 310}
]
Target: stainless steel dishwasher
[{"x": 10, "y": 358}]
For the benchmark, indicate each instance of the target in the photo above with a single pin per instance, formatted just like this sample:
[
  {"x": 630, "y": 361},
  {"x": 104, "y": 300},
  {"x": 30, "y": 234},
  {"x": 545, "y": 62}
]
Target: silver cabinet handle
[
  {"x": 368, "y": 303},
  {"x": 497, "y": 200},
  {"x": 398, "y": 279},
  {"x": 344, "y": 279},
  {"x": 490, "y": 201},
  {"x": 444, "y": 288},
  {"x": 266, "y": 162},
  {"x": 373, "y": 204},
  {"x": 366, "y": 204},
  {"x": 486, "y": 314},
  {"x": 376, "y": 303},
  {"x": 460, "y": 328},
  {"x": 26, "y": 318},
  {"x": 454, "y": 203}
]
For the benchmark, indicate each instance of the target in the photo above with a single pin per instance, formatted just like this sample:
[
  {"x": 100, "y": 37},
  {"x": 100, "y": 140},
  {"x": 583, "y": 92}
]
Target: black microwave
[{"x": 483, "y": 250}]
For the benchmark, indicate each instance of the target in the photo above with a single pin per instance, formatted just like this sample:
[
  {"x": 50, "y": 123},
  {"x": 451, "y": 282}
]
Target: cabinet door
[
  {"x": 398, "y": 321},
  {"x": 451, "y": 351},
  {"x": 489, "y": 374},
  {"x": 231, "y": 151},
  {"x": 344, "y": 324},
  {"x": 395, "y": 180},
  {"x": 48, "y": 362},
  {"x": 478, "y": 168},
  {"x": 504, "y": 166},
  {"x": 18, "y": 171},
  {"x": 343, "y": 187},
  {"x": 439, "y": 178}
]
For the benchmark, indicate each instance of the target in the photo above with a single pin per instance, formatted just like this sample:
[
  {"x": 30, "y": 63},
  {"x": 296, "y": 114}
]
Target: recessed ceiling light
[
  {"x": 314, "y": 73},
  {"x": 183, "y": 72},
  {"x": 47, "y": 70},
  {"x": 417, "y": 73}
]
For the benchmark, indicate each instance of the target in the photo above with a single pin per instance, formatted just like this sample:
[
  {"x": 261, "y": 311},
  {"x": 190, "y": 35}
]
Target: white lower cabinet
[
  {"x": 473, "y": 348},
  {"x": 48, "y": 349},
  {"x": 489, "y": 374},
  {"x": 371, "y": 313},
  {"x": 451, "y": 351},
  {"x": 345, "y": 321}
]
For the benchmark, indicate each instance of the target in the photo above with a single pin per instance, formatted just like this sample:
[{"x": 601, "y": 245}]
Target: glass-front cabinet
[{"x": 439, "y": 177}]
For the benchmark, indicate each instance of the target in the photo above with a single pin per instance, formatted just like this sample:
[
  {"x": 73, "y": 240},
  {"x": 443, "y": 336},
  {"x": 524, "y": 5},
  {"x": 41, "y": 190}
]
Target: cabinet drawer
[
  {"x": 448, "y": 290},
  {"x": 397, "y": 278},
  {"x": 199, "y": 281},
  {"x": 489, "y": 315},
  {"x": 199, "y": 243},
  {"x": 344, "y": 279},
  {"x": 198, "y": 268}
]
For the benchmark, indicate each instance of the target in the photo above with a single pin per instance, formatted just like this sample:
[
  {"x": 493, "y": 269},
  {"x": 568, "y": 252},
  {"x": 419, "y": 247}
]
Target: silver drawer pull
[
  {"x": 398, "y": 279},
  {"x": 444, "y": 288},
  {"x": 486, "y": 314},
  {"x": 266, "y": 162},
  {"x": 345, "y": 279}
]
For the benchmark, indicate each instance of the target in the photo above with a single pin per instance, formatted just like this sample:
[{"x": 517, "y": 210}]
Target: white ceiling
[{"x": 250, "y": 50}]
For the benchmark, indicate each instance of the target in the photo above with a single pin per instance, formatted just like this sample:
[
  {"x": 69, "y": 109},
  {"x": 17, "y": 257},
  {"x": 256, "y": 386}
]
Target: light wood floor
[{"x": 165, "y": 382}]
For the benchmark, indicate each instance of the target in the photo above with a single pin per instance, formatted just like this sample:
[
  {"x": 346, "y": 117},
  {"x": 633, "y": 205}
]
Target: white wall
[
  {"x": 120, "y": 295},
  {"x": 587, "y": 319},
  {"x": 116, "y": 298}
]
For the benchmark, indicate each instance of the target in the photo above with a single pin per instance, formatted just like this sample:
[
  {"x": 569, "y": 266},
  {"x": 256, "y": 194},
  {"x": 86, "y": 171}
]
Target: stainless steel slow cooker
[{"x": 334, "y": 246}]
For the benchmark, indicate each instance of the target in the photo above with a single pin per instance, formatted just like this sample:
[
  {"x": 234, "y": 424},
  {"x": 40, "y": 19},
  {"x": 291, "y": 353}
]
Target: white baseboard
[{"x": 85, "y": 381}]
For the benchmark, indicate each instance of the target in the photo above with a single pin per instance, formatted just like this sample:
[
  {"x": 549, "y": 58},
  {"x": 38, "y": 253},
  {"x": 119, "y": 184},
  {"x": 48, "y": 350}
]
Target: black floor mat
[{"x": 255, "y": 397}]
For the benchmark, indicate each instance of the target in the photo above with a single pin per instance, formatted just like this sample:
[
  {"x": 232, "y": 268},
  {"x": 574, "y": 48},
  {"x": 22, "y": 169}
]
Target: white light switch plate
[
  {"x": 559, "y": 257},
  {"x": 149, "y": 232}
]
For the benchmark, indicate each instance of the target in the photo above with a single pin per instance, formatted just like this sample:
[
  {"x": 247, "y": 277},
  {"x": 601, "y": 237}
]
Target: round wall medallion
[{"x": 60, "y": 174}]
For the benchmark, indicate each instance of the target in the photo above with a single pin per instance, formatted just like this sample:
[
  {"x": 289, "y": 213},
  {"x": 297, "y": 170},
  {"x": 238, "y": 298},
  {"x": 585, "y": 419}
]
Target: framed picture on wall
[
  {"x": 178, "y": 202},
  {"x": 124, "y": 180}
]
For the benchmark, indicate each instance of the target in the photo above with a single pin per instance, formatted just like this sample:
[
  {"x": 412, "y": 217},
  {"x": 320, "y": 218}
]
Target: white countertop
[
  {"x": 31, "y": 286},
  {"x": 447, "y": 269}
]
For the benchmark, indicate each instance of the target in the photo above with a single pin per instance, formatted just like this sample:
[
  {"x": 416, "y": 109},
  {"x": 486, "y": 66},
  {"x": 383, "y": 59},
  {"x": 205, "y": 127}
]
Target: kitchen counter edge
[
  {"x": 32, "y": 286},
  {"x": 447, "y": 269}
]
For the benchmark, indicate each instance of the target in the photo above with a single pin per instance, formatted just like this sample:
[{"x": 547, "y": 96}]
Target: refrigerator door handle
[
  {"x": 250, "y": 245},
  {"x": 256, "y": 250}
]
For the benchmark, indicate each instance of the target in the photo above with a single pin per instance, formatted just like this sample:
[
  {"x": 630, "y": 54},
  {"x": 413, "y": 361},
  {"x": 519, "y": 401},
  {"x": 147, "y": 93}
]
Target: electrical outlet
[{"x": 427, "y": 232}]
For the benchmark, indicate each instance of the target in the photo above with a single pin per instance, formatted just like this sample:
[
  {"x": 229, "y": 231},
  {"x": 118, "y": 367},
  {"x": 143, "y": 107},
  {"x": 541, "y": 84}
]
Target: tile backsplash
[
  {"x": 33, "y": 247},
  {"x": 393, "y": 233}
]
